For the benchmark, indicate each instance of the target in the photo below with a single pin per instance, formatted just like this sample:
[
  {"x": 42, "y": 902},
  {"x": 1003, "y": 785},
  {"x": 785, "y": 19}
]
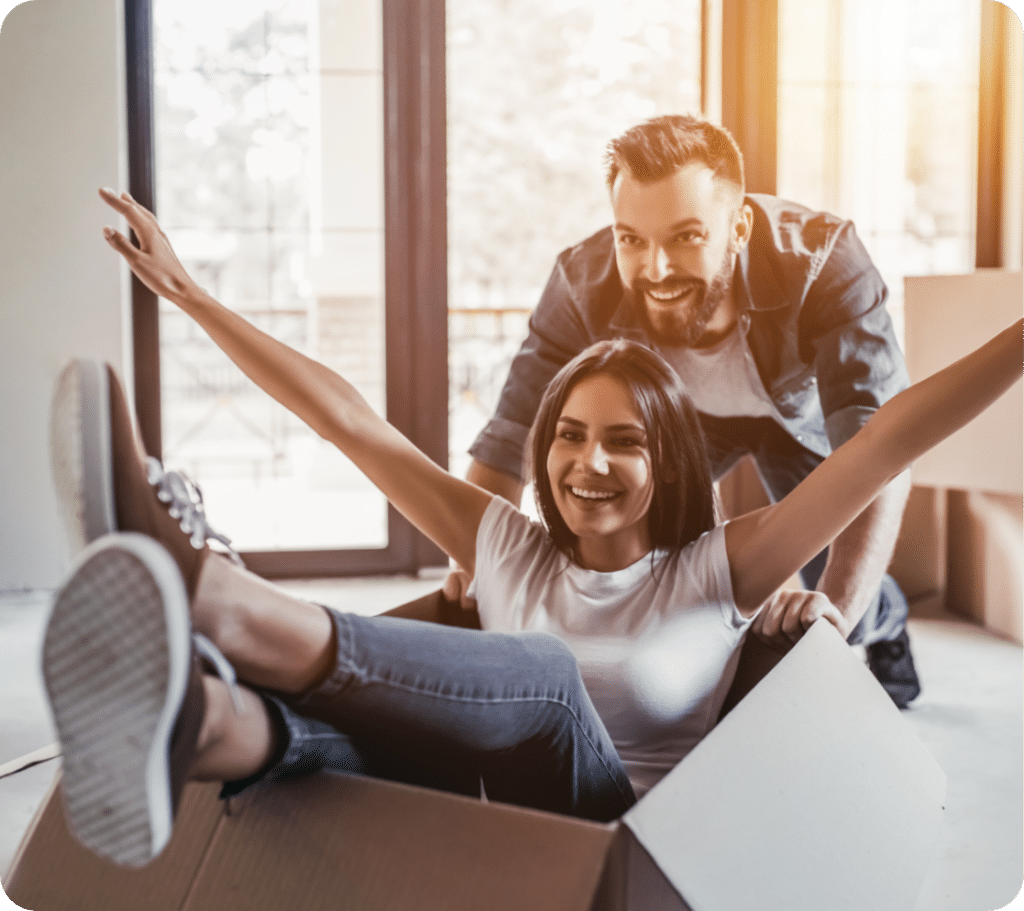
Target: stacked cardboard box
[{"x": 977, "y": 475}]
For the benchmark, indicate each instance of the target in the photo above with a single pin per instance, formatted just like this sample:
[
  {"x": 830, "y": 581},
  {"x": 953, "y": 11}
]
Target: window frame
[
  {"x": 750, "y": 86},
  {"x": 415, "y": 258},
  {"x": 995, "y": 225}
]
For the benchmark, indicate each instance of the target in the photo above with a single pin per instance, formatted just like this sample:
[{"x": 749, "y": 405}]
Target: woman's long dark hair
[{"x": 683, "y": 501}]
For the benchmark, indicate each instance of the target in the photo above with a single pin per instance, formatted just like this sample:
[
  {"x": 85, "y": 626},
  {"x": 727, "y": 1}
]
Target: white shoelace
[
  {"x": 185, "y": 503},
  {"x": 221, "y": 665}
]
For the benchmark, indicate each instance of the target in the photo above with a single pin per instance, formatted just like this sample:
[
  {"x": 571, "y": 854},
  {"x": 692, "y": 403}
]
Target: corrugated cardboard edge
[
  {"x": 51, "y": 871},
  {"x": 27, "y": 837}
]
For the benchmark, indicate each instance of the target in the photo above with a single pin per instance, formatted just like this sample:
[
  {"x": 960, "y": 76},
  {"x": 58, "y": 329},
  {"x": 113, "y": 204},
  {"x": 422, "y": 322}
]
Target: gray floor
[{"x": 971, "y": 716}]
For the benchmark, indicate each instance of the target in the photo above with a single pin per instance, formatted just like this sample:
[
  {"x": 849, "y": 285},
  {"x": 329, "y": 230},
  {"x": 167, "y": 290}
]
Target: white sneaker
[{"x": 126, "y": 691}]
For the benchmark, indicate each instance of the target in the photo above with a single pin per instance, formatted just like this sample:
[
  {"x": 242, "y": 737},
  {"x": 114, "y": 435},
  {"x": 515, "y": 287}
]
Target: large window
[
  {"x": 292, "y": 156},
  {"x": 535, "y": 90},
  {"x": 269, "y": 183},
  {"x": 878, "y": 122}
]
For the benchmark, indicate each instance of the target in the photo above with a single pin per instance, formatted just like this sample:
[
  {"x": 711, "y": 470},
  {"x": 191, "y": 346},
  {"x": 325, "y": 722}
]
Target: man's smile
[{"x": 670, "y": 293}]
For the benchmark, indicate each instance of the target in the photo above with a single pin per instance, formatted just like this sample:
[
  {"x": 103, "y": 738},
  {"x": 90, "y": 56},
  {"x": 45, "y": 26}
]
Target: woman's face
[{"x": 600, "y": 470}]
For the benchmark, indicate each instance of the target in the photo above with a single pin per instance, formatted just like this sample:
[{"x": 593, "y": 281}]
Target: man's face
[{"x": 676, "y": 241}]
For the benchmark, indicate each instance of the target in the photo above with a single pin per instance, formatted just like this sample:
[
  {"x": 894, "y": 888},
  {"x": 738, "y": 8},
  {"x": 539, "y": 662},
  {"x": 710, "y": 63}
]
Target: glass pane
[
  {"x": 269, "y": 150},
  {"x": 536, "y": 88},
  {"x": 878, "y": 122}
]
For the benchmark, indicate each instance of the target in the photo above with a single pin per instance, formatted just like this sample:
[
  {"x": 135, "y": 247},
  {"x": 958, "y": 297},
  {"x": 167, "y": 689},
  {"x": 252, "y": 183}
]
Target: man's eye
[{"x": 690, "y": 237}]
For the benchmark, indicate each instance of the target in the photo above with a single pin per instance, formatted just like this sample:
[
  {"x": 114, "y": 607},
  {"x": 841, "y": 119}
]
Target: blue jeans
[
  {"x": 783, "y": 463},
  {"x": 448, "y": 708}
]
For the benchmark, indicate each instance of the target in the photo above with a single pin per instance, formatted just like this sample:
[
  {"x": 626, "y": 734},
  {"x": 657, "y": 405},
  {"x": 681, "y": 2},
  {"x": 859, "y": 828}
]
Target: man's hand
[
  {"x": 455, "y": 588},
  {"x": 153, "y": 261},
  {"x": 787, "y": 615},
  {"x": 858, "y": 558}
]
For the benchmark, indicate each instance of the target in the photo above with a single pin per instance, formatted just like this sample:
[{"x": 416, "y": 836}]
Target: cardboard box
[
  {"x": 813, "y": 793},
  {"x": 985, "y": 567},
  {"x": 919, "y": 561},
  {"x": 982, "y": 465},
  {"x": 947, "y": 317}
]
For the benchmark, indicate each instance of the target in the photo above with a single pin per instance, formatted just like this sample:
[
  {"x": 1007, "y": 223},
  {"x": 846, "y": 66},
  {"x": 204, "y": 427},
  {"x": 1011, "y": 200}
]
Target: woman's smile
[
  {"x": 600, "y": 469},
  {"x": 593, "y": 494}
]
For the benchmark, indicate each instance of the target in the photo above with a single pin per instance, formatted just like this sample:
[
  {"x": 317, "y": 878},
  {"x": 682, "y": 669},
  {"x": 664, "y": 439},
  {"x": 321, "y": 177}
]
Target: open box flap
[{"x": 814, "y": 792}]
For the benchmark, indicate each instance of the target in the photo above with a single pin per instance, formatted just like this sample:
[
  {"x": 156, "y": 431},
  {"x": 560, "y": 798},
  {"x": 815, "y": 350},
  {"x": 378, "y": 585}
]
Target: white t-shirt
[{"x": 657, "y": 658}]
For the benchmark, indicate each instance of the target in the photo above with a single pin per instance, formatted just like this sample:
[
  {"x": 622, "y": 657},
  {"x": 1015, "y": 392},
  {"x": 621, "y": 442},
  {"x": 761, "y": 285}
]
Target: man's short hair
[{"x": 660, "y": 146}]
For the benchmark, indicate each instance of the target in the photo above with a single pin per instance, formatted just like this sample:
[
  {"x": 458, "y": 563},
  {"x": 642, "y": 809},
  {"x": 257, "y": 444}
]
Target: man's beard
[{"x": 683, "y": 326}]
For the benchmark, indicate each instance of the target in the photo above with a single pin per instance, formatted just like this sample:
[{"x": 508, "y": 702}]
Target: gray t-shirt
[{"x": 722, "y": 380}]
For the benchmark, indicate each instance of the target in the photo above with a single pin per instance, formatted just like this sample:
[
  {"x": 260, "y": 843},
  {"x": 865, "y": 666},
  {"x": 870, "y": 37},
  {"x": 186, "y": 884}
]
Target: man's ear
[{"x": 742, "y": 226}]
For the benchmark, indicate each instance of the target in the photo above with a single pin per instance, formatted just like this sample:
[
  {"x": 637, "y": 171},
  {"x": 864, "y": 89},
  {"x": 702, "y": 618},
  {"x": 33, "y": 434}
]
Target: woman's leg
[
  {"x": 237, "y": 738},
  {"x": 512, "y": 706},
  {"x": 418, "y": 696},
  {"x": 273, "y": 640},
  {"x": 300, "y": 745}
]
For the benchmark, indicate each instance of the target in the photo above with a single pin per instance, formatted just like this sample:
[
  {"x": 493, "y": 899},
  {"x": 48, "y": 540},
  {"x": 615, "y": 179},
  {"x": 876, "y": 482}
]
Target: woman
[{"x": 631, "y": 573}]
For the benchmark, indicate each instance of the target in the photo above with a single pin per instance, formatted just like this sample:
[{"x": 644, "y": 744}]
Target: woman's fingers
[
  {"x": 789, "y": 614},
  {"x": 154, "y": 260},
  {"x": 120, "y": 243},
  {"x": 767, "y": 625},
  {"x": 141, "y": 220},
  {"x": 138, "y": 261},
  {"x": 120, "y": 202},
  {"x": 456, "y": 589},
  {"x": 836, "y": 618},
  {"x": 799, "y": 609}
]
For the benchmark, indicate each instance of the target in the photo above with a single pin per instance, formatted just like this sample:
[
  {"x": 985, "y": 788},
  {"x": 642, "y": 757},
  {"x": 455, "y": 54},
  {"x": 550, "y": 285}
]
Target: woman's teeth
[{"x": 593, "y": 494}]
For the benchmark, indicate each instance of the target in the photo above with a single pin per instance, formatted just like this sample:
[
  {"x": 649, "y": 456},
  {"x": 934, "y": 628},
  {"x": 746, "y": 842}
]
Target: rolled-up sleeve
[
  {"x": 843, "y": 424},
  {"x": 502, "y": 445}
]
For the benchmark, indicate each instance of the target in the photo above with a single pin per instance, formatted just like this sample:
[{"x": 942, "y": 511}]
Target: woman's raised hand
[{"x": 154, "y": 260}]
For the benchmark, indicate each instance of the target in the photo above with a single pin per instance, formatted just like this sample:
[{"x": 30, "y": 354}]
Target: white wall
[{"x": 62, "y": 290}]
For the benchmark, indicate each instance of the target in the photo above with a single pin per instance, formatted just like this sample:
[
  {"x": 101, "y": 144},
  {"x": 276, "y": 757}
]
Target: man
[{"x": 775, "y": 318}]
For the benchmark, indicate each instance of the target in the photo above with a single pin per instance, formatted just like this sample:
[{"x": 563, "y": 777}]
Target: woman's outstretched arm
[
  {"x": 446, "y": 509},
  {"x": 767, "y": 546}
]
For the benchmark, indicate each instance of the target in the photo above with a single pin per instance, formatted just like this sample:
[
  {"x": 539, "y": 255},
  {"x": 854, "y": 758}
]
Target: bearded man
[{"x": 773, "y": 315}]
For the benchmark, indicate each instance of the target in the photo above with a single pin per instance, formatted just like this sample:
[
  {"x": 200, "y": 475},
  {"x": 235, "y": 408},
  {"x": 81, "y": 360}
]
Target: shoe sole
[
  {"x": 80, "y": 452},
  {"x": 116, "y": 658}
]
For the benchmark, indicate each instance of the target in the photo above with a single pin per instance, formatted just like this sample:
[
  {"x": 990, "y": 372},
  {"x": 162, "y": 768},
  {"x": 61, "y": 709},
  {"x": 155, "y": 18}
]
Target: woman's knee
[{"x": 554, "y": 664}]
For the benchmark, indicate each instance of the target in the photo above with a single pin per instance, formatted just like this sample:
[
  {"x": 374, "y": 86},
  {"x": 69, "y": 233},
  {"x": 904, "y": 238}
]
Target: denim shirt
[{"x": 811, "y": 312}]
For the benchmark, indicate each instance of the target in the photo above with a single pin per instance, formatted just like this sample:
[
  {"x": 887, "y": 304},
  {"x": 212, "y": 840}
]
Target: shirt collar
[{"x": 770, "y": 292}]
